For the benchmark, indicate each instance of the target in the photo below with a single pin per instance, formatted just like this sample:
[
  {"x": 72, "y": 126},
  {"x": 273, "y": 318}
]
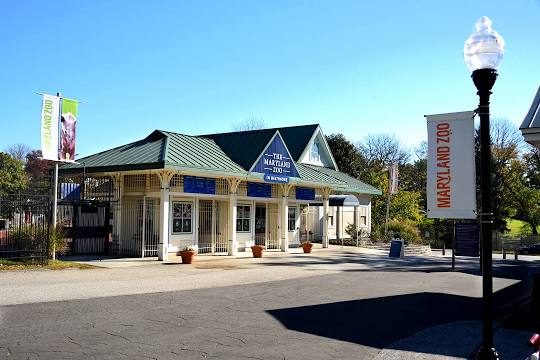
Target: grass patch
[
  {"x": 53, "y": 265},
  {"x": 517, "y": 227}
]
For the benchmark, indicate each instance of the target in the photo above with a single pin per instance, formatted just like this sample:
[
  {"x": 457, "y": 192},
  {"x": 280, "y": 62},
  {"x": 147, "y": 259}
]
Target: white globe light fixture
[
  {"x": 483, "y": 53},
  {"x": 484, "y": 49}
]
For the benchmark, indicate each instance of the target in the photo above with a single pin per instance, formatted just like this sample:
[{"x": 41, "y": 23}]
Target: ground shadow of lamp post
[{"x": 483, "y": 54}]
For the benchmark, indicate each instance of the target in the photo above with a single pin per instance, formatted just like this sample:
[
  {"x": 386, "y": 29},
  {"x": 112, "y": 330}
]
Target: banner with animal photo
[
  {"x": 69, "y": 125},
  {"x": 451, "y": 174},
  {"x": 50, "y": 111},
  {"x": 393, "y": 186}
]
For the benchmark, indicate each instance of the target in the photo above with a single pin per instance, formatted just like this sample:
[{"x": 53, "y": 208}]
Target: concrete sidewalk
[
  {"x": 457, "y": 340},
  {"x": 112, "y": 262}
]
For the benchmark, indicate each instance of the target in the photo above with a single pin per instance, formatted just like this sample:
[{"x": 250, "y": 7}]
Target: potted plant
[
  {"x": 187, "y": 254},
  {"x": 307, "y": 246},
  {"x": 257, "y": 251}
]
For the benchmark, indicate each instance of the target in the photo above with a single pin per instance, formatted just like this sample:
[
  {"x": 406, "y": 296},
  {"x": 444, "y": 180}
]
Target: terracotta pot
[
  {"x": 257, "y": 251},
  {"x": 187, "y": 256},
  {"x": 307, "y": 247}
]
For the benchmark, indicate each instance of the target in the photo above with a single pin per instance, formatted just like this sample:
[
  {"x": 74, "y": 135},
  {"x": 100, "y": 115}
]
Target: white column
[
  {"x": 195, "y": 217},
  {"x": 233, "y": 243},
  {"x": 163, "y": 248},
  {"x": 213, "y": 231},
  {"x": 368, "y": 217},
  {"x": 356, "y": 218},
  {"x": 284, "y": 223},
  {"x": 325, "y": 221},
  {"x": 339, "y": 216},
  {"x": 119, "y": 188}
]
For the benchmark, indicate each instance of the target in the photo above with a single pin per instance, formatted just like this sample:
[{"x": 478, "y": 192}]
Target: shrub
[
  {"x": 57, "y": 241},
  {"x": 404, "y": 230},
  {"x": 353, "y": 231},
  {"x": 377, "y": 233}
]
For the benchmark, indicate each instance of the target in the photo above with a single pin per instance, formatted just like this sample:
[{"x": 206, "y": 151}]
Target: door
[
  {"x": 273, "y": 235},
  {"x": 205, "y": 227},
  {"x": 292, "y": 224},
  {"x": 260, "y": 225}
]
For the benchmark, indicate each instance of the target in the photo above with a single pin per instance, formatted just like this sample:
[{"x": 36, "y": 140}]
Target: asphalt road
[{"x": 345, "y": 306}]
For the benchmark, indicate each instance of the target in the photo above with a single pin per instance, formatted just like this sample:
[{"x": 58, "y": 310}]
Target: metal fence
[
  {"x": 513, "y": 243},
  {"x": 24, "y": 227}
]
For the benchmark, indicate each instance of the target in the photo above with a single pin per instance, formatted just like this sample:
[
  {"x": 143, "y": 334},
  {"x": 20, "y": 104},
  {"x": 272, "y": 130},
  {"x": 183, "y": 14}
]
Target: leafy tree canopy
[{"x": 12, "y": 175}]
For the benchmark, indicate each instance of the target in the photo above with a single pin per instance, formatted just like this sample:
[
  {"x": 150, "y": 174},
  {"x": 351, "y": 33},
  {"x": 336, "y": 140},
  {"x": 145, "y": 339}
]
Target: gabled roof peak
[
  {"x": 266, "y": 130},
  {"x": 532, "y": 119}
]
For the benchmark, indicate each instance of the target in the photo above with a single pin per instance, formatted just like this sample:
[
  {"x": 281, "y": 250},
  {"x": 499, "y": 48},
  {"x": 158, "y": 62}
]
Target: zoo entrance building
[{"x": 218, "y": 193}]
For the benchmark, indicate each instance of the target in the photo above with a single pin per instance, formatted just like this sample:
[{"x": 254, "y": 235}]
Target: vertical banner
[
  {"x": 69, "y": 123},
  {"x": 451, "y": 174},
  {"x": 50, "y": 111},
  {"x": 393, "y": 178}
]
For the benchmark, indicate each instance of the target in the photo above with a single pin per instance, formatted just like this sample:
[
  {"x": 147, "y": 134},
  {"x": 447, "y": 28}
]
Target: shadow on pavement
[{"x": 379, "y": 322}]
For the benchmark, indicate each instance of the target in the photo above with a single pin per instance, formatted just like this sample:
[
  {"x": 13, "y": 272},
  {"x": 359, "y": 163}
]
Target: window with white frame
[
  {"x": 243, "y": 217},
  {"x": 314, "y": 153},
  {"x": 182, "y": 216},
  {"x": 363, "y": 220},
  {"x": 291, "y": 218}
]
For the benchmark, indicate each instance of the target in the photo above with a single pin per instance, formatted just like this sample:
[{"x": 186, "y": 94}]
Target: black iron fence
[
  {"x": 24, "y": 227},
  {"x": 512, "y": 243}
]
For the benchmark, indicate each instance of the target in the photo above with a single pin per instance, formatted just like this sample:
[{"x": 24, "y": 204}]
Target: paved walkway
[{"x": 415, "y": 308}]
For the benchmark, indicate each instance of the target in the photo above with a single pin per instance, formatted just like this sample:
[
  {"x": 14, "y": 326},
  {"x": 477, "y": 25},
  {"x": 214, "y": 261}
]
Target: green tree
[
  {"x": 405, "y": 206},
  {"x": 12, "y": 176},
  {"x": 524, "y": 201},
  {"x": 347, "y": 157}
]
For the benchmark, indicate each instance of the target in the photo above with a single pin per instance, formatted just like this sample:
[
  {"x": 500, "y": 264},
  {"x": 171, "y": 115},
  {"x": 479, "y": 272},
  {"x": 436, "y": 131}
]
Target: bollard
[
  {"x": 443, "y": 249},
  {"x": 535, "y": 297},
  {"x": 504, "y": 254},
  {"x": 515, "y": 255}
]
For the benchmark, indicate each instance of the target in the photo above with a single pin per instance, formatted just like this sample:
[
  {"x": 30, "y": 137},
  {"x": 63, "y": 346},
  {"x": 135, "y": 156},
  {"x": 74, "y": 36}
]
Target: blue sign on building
[
  {"x": 70, "y": 191},
  {"x": 199, "y": 185},
  {"x": 303, "y": 193},
  {"x": 276, "y": 163},
  {"x": 259, "y": 190}
]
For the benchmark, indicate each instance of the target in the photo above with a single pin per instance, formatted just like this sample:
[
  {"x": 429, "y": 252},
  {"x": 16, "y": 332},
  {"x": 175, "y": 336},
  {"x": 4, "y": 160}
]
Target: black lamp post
[{"x": 483, "y": 53}]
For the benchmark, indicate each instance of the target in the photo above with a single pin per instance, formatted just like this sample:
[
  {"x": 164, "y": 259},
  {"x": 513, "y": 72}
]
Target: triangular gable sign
[{"x": 275, "y": 162}]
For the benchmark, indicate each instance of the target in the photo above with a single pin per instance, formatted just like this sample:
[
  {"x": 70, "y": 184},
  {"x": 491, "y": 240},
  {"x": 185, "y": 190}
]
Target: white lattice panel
[
  {"x": 242, "y": 189},
  {"x": 177, "y": 183},
  {"x": 222, "y": 187},
  {"x": 134, "y": 183},
  {"x": 154, "y": 184},
  {"x": 292, "y": 193}
]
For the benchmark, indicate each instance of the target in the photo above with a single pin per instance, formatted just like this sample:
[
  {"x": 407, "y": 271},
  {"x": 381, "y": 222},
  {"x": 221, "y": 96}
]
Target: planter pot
[
  {"x": 307, "y": 247},
  {"x": 257, "y": 251},
  {"x": 187, "y": 256}
]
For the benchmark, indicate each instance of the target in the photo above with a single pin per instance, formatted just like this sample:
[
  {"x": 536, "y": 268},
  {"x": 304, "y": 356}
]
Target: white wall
[{"x": 178, "y": 241}]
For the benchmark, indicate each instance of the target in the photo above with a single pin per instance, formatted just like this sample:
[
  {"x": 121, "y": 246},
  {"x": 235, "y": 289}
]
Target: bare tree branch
[
  {"x": 18, "y": 151},
  {"x": 251, "y": 123},
  {"x": 383, "y": 149}
]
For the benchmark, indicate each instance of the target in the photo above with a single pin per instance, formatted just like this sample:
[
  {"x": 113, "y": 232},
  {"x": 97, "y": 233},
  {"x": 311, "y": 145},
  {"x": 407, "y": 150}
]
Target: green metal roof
[
  {"x": 340, "y": 181},
  {"x": 197, "y": 152},
  {"x": 159, "y": 150},
  {"x": 243, "y": 147},
  {"x": 296, "y": 139},
  {"x": 230, "y": 154},
  {"x": 143, "y": 154}
]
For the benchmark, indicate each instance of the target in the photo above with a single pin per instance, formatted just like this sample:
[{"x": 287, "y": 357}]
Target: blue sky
[{"x": 194, "y": 67}]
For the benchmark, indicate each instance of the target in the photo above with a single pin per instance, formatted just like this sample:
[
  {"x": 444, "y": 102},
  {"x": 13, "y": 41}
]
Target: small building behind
[{"x": 530, "y": 127}]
